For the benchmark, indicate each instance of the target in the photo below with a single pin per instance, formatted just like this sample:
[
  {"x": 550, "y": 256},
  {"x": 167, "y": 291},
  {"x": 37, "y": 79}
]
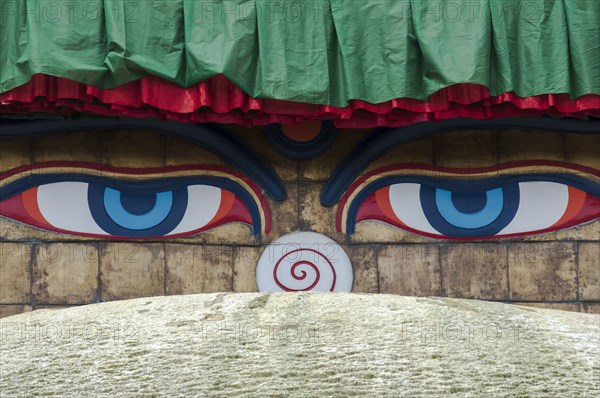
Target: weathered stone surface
[
  {"x": 320, "y": 169},
  {"x": 372, "y": 231},
  {"x": 65, "y": 273},
  {"x": 129, "y": 270},
  {"x": 14, "y": 273},
  {"x": 254, "y": 138},
  {"x": 300, "y": 345},
  {"x": 313, "y": 216},
  {"x": 589, "y": 271},
  {"x": 517, "y": 145},
  {"x": 118, "y": 145},
  {"x": 466, "y": 149},
  {"x": 244, "y": 268},
  {"x": 583, "y": 149},
  {"x": 542, "y": 271},
  {"x": 199, "y": 269},
  {"x": 420, "y": 151},
  {"x": 412, "y": 270},
  {"x": 14, "y": 152},
  {"x": 81, "y": 146},
  {"x": 180, "y": 152},
  {"x": 284, "y": 215},
  {"x": 364, "y": 265},
  {"x": 475, "y": 270}
]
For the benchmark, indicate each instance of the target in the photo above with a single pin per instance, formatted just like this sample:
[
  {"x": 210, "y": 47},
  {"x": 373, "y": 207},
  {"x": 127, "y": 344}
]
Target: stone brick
[
  {"x": 255, "y": 140},
  {"x": 65, "y": 273},
  {"x": 518, "y": 145},
  {"x": 244, "y": 268},
  {"x": 364, "y": 265},
  {"x": 320, "y": 169},
  {"x": 420, "y": 151},
  {"x": 583, "y": 149},
  {"x": 589, "y": 271},
  {"x": 542, "y": 271},
  {"x": 14, "y": 273},
  {"x": 118, "y": 148},
  {"x": 466, "y": 149},
  {"x": 573, "y": 307},
  {"x": 14, "y": 152},
  {"x": 314, "y": 216},
  {"x": 10, "y": 310},
  {"x": 15, "y": 231},
  {"x": 180, "y": 152},
  {"x": 199, "y": 269},
  {"x": 409, "y": 270},
  {"x": 228, "y": 234},
  {"x": 130, "y": 270},
  {"x": 590, "y": 308},
  {"x": 589, "y": 231},
  {"x": 284, "y": 215},
  {"x": 82, "y": 146},
  {"x": 372, "y": 231},
  {"x": 475, "y": 270}
]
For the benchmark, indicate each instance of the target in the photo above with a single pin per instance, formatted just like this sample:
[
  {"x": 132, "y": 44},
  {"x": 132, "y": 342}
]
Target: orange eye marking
[
  {"x": 576, "y": 202},
  {"x": 29, "y": 199},
  {"x": 382, "y": 196},
  {"x": 227, "y": 201}
]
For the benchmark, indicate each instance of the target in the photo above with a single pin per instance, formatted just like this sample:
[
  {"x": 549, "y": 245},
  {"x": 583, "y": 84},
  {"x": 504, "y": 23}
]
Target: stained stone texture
[
  {"x": 244, "y": 268},
  {"x": 466, "y": 149},
  {"x": 583, "y": 149},
  {"x": 475, "y": 271},
  {"x": 519, "y": 145},
  {"x": 412, "y": 270},
  {"x": 284, "y": 215},
  {"x": 314, "y": 216},
  {"x": 117, "y": 148},
  {"x": 300, "y": 345},
  {"x": 589, "y": 271},
  {"x": 364, "y": 265},
  {"x": 65, "y": 273},
  {"x": 129, "y": 270},
  {"x": 198, "y": 269},
  {"x": 83, "y": 146},
  {"x": 14, "y": 273},
  {"x": 14, "y": 152},
  {"x": 542, "y": 271}
]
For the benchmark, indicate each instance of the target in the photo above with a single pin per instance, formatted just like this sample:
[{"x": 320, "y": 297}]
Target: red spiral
[{"x": 302, "y": 274}]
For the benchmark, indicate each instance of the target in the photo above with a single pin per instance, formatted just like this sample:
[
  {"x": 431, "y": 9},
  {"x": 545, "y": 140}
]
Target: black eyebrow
[
  {"x": 210, "y": 136},
  {"x": 384, "y": 139}
]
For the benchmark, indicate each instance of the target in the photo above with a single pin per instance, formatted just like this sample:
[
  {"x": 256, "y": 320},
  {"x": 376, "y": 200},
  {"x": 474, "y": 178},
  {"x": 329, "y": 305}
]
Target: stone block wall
[{"x": 41, "y": 269}]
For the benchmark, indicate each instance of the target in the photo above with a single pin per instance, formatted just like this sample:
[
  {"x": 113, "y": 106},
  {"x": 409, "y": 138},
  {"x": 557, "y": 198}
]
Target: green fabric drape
[{"x": 315, "y": 51}]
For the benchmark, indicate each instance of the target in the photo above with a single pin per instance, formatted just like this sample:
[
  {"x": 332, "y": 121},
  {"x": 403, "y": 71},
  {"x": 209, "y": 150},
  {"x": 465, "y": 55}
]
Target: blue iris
[
  {"x": 163, "y": 202},
  {"x": 467, "y": 212},
  {"x": 137, "y": 211},
  {"x": 449, "y": 207}
]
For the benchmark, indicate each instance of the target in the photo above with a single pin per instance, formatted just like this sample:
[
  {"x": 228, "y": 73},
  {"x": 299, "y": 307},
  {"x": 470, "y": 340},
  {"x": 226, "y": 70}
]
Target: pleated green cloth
[{"x": 314, "y": 51}]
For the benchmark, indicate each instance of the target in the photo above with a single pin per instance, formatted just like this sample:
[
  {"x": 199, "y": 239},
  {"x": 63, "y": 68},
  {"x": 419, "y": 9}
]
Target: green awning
[{"x": 311, "y": 51}]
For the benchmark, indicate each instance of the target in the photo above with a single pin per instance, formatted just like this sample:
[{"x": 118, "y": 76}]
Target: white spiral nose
[{"x": 304, "y": 261}]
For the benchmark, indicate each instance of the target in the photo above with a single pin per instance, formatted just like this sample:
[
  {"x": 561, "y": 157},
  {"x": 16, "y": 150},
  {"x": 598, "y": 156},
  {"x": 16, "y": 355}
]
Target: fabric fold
[
  {"x": 218, "y": 100},
  {"x": 326, "y": 52}
]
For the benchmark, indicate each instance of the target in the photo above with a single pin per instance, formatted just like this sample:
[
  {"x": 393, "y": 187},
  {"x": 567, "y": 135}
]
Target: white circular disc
[{"x": 304, "y": 261}]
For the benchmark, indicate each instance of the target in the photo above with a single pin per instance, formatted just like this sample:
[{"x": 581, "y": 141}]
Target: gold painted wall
[{"x": 40, "y": 269}]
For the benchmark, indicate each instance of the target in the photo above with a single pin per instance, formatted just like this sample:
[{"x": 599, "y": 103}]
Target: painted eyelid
[
  {"x": 254, "y": 203},
  {"x": 574, "y": 176}
]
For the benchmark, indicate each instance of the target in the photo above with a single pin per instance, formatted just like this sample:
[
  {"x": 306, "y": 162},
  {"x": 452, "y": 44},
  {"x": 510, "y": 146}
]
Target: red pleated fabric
[{"x": 218, "y": 100}]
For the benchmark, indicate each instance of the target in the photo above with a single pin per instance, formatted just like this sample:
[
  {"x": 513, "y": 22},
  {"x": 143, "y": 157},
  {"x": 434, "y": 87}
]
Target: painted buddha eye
[
  {"x": 499, "y": 207},
  {"x": 106, "y": 207}
]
